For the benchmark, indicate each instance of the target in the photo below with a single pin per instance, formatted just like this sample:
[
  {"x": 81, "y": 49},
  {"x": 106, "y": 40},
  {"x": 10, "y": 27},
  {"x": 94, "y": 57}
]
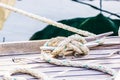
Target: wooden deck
[{"x": 30, "y": 50}]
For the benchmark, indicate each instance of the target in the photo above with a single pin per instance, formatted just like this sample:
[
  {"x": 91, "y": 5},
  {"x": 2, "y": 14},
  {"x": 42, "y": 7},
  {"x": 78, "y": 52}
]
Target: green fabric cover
[{"x": 98, "y": 24}]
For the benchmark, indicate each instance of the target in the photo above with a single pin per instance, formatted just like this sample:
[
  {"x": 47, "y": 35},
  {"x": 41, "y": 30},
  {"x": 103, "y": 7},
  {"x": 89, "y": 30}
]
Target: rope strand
[
  {"x": 49, "y": 21},
  {"x": 73, "y": 44}
]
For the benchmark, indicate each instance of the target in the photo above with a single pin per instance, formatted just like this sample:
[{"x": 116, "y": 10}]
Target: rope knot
[{"x": 62, "y": 46}]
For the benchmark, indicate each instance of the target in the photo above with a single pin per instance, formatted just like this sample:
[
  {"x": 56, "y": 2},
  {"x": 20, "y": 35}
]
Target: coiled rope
[
  {"x": 77, "y": 45},
  {"x": 65, "y": 46},
  {"x": 61, "y": 46}
]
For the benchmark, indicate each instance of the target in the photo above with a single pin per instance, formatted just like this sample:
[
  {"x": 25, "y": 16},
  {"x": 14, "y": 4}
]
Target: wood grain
[{"x": 29, "y": 52}]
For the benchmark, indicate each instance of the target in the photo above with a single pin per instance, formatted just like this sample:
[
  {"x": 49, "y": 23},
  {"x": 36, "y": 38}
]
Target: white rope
[
  {"x": 101, "y": 68},
  {"x": 68, "y": 41},
  {"x": 73, "y": 45},
  {"x": 39, "y": 75},
  {"x": 54, "y": 47},
  {"x": 49, "y": 21},
  {"x": 57, "y": 46}
]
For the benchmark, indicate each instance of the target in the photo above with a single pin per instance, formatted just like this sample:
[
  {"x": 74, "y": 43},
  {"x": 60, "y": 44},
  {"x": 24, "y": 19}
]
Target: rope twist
[
  {"x": 36, "y": 74},
  {"x": 72, "y": 45},
  {"x": 62, "y": 46}
]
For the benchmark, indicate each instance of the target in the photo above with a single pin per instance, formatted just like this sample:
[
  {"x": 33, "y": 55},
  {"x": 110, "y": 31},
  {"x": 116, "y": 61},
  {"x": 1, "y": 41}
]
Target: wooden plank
[
  {"x": 33, "y": 46},
  {"x": 29, "y": 52},
  {"x": 21, "y": 47}
]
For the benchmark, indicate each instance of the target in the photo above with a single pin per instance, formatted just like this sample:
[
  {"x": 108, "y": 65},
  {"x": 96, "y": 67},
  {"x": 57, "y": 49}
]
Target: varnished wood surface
[{"x": 30, "y": 50}]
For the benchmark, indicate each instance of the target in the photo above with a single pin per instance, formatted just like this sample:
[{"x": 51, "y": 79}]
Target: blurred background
[{"x": 21, "y": 28}]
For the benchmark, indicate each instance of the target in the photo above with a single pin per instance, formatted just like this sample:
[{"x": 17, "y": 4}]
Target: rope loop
[
  {"x": 62, "y": 46},
  {"x": 36, "y": 74},
  {"x": 73, "y": 45}
]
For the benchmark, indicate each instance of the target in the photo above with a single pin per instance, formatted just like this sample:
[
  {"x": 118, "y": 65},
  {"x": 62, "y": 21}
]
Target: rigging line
[
  {"x": 100, "y": 6},
  {"x": 97, "y": 8}
]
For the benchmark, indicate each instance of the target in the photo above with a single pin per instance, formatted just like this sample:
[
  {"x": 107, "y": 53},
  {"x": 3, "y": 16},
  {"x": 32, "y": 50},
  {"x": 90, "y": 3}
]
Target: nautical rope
[
  {"x": 79, "y": 46},
  {"x": 46, "y": 20},
  {"x": 39, "y": 75},
  {"x": 70, "y": 43},
  {"x": 63, "y": 46},
  {"x": 55, "y": 61}
]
